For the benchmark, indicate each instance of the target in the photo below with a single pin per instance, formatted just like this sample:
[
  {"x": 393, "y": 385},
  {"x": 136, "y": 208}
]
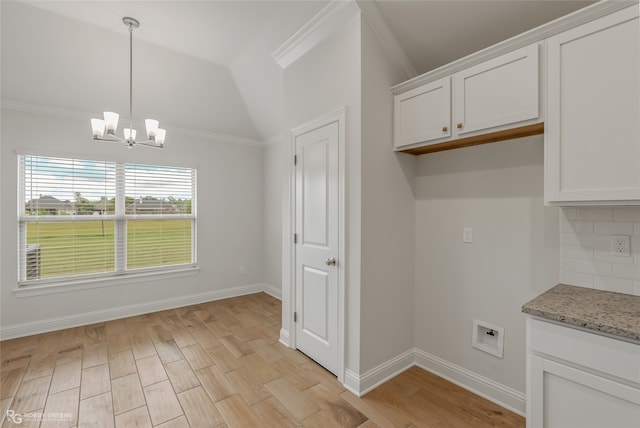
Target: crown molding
[
  {"x": 317, "y": 29},
  {"x": 63, "y": 113},
  {"x": 388, "y": 40},
  {"x": 536, "y": 35}
]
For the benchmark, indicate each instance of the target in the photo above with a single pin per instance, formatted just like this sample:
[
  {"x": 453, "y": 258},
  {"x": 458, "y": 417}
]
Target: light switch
[{"x": 467, "y": 235}]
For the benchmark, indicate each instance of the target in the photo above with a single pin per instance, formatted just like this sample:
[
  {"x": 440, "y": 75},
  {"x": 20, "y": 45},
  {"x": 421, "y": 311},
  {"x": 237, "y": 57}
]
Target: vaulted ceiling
[{"x": 207, "y": 65}]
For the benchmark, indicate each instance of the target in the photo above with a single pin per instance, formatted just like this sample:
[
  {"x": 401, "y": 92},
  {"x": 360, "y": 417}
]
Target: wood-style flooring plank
[
  {"x": 122, "y": 364},
  {"x": 162, "y": 402},
  {"x": 199, "y": 409},
  {"x": 66, "y": 376},
  {"x": 272, "y": 414},
  {"x": 181, "y": 376},
  {"x": 237, "y": 413},
  {"x": 31, "y": 395},
  {"x": 127, "y": 393},
  {"x": 95, "y": 355},
  {"x": 65, "y": 406},
  {"x": 96, "y": 412},
  {"x": 41, "y": 365},
  {"x": 251, "y": 389},
  {"x": 142, "y": 347},
  {"x": 95, "y": 381},
  {"x": 179, "y": 422},
  {"x": 215, "y": 383},
  {"x": 300, "y": 406},
  {"x": 340, "y": 412},
  {"x": 138, "y": 418},
  {"x": 197, "y": 357},
  {"x": 168, "y": 351},
  {"x": 150, "y": 370},
  {"x": 10, "y": 381}
]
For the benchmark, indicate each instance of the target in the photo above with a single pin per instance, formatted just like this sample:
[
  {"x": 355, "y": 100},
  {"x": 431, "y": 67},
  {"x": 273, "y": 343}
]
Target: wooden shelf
[{"x": 508, "y": 134}]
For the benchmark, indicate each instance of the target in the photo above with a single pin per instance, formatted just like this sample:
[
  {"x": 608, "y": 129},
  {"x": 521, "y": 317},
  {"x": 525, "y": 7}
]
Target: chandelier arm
[
  {"x": 148, "y": 143},
  {"x": 110, "y": 138}
]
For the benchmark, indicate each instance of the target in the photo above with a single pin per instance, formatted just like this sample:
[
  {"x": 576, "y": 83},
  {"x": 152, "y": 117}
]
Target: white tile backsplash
[{"x": 585, "y": 248}]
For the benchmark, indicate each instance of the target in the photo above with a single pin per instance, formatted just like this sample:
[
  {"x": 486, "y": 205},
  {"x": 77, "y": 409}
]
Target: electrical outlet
[
  {"x": 620, "y": 245},
  {"x": 243, "y": 269}
]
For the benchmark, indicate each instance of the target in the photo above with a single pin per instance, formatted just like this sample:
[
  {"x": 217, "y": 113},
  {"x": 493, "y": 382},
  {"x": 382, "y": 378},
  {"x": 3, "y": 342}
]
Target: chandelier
[{"x": 105, "y": 129}]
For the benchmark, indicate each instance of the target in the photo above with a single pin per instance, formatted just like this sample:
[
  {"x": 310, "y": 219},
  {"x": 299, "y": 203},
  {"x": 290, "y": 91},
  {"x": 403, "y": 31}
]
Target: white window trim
[
  {"x": 107, "y": 280},
  {"x": 119, "y": 276}
]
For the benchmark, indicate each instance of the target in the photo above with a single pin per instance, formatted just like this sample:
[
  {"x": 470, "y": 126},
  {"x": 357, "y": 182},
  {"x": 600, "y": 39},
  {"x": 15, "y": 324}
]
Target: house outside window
[{"x": 84, "y": 219}]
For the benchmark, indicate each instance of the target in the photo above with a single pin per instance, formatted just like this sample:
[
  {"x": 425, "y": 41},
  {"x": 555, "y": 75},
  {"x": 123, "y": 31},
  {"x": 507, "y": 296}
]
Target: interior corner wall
[
  {"x": 229, "y": 228},
  {"x": 327, "y": 78},
  {"x": 388, "y": 216},
  {"x": 497, "y": 190},
  {"x": 274, "y": 177}
]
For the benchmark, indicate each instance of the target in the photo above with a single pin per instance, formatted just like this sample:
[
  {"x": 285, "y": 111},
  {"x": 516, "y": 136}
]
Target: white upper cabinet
[
  {"x": 495, "y": 95},
  {"x": 423, "y": 114},
  {"x": 592, "y": 138},
  {"x": 499, "y": 92}
]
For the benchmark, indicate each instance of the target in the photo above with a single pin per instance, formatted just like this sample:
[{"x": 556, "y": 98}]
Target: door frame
[{"x": 288, "y": 331}]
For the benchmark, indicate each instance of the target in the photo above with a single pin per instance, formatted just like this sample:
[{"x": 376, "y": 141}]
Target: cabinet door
[
  {"x": 592, "y": 138},
  {"x": 561, "y": 396},
  {"x": 498, "y": 92},
  {"x": 423, "y": 114}
]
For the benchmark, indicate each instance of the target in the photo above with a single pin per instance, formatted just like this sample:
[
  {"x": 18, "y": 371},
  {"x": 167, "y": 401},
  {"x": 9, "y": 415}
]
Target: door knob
[{"x": 331, "y": 261}]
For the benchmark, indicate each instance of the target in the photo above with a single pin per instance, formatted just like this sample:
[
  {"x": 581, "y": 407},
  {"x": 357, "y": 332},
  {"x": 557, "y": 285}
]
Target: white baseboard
[
  {"x": 487, "y": 388},
  {"x": 284, "y": 337},
  {"x": 273, "y": 291},
  {"x": 352, "y": 382},
  {"x": 385, "y": 371},
  {"x": 86, "y": 318}
]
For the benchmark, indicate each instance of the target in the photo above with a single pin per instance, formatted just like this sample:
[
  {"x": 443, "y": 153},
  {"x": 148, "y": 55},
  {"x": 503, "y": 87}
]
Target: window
[{"x": 84, "y": 218}]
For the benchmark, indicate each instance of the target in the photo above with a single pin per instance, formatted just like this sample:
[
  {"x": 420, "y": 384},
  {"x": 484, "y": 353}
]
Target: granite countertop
[{"x": 602, "y": 311}]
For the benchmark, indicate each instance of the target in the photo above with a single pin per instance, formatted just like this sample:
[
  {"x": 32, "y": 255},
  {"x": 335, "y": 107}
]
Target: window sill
[{"x": 90, "y": 283}]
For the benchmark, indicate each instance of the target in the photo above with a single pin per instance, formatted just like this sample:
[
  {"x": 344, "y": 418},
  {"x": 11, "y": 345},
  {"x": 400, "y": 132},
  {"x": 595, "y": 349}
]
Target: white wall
[
  {"x": 275, "y": 169},
  {"x": 497, "y": 189},
  {"x": 230, "y": 208},
  {"x": 388, "y": 216},
  {"x": 52, "y": 60},
  {"x": 323, "y": 80},
  {"x": 585, "y": 248}
]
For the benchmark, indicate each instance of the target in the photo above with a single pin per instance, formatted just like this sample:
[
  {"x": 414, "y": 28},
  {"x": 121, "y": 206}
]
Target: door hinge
[
  {"x": 295, "y": 317},
  {"x": 295, "y": 159},
  {"x": 295, "y": 238}
]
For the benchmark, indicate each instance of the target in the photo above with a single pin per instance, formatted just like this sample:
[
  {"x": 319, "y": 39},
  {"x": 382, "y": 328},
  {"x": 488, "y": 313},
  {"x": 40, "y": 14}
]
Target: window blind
[
  {"x": 86, "y": 217},
  {"x": 158, "y": 206}
]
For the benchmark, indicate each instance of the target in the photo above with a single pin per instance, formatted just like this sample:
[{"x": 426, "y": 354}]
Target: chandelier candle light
[{"x": 105, "y": 129}]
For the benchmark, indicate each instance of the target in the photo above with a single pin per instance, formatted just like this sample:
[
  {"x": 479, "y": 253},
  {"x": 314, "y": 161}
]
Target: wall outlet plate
[{"x": 621, "y": 245}]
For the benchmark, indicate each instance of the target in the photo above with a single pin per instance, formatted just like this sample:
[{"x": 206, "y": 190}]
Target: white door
[{"x": 316, "y": 255}]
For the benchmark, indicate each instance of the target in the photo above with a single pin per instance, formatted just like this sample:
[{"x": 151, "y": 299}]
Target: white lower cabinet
[{"x": 580, "y": 379}]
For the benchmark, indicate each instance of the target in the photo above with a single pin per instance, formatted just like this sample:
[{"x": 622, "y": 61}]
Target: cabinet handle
[
  {"x": 459, "y": 125},
  {"x": 445, "y": 128}
]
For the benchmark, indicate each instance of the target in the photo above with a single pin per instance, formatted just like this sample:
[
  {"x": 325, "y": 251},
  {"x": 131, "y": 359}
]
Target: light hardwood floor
[{"x": 215, "y": 364}]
